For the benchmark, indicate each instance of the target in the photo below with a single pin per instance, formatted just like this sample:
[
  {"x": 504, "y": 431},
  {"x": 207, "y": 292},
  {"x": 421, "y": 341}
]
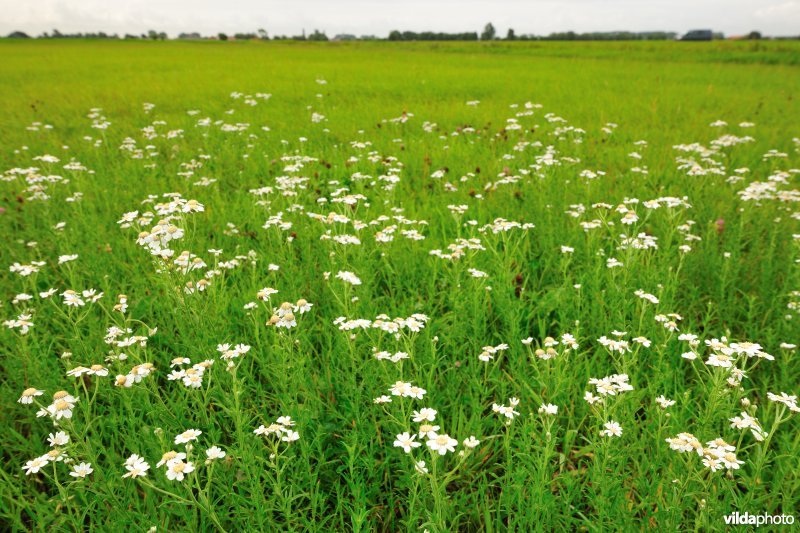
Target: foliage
[{"x": 291, "y": 150}]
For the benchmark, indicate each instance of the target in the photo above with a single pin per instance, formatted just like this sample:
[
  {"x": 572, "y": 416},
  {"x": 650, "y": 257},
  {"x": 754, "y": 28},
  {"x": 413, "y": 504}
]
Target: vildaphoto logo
[{"x": 747, "y": 519}]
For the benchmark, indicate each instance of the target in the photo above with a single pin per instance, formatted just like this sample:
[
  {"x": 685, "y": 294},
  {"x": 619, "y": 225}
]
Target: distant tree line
[
  {"x": 432, "y": 36},
  {"x": 55, "y": 34},
  {"x": 610, "y": 36},
  {"x": 489, "y": 33}
]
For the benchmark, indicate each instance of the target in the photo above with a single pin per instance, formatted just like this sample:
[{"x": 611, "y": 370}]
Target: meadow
[{"x": 398, "y": 287}]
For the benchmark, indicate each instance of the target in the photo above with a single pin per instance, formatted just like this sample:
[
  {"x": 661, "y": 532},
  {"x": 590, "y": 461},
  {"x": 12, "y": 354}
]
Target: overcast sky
[{"x": 378, "y": 17}]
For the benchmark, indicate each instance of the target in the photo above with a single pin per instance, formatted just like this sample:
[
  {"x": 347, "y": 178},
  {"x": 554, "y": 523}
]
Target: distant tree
[
  {"x": 511, "y": 36},
  {"x": 56, "y": 34},
  {"x": 18, "y": 35},
  {"x": 262, "y": 34},
  {"x": 488, "y": 32},
  {"x": 563, "y": 36},
  {"x": 152, "y": 34},
  {"x": 431, "y": 36},
  {"x": 318, "y": 36},
  {"x": 618, "y": 36},
  {"x": 162, "y": 36},
  {"x": 754, "y": 35},
  {"x": 222, "y": 37}
]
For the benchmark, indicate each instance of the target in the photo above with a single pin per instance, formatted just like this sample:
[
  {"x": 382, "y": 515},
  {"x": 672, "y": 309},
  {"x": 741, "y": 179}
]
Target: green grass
[{"x": 540, "y": 472}]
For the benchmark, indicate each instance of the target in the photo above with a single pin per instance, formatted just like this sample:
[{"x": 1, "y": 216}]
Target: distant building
[
  {"x": 344, "y": 37},
  {"x": 190, "y": 36},
  {"x": 698, "y": 35}
]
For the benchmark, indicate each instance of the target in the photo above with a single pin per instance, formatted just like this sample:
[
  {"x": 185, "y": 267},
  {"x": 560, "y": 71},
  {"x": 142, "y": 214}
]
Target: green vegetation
[{"x": 368, "y": 182}]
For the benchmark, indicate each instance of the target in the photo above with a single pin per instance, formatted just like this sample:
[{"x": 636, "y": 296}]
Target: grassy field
[{"x": 375, "y": 286}]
